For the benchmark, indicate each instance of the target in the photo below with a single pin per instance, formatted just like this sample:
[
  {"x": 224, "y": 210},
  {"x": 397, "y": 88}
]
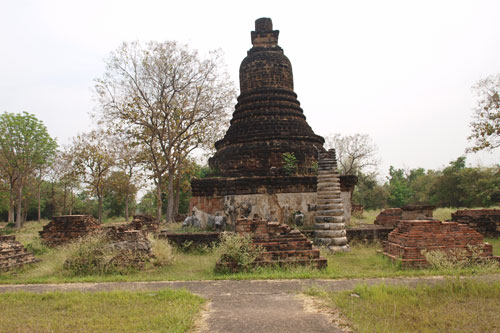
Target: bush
[
  {"x": 239, "y": 249},
  {"x": 163, "y": 252},
  {"x": 89, "y": 256}
]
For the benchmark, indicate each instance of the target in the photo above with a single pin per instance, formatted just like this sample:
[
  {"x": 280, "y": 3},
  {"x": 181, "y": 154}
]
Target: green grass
[
  {"x": 115, "y": 311},
  {"x": 362, "y": 262},
  {"x": 453, "y": 306}
]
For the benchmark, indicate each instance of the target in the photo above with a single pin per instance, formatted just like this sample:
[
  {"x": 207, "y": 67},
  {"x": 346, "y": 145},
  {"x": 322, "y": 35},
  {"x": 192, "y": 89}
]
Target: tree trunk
[
  {"x": 65, "y": 195},
  {"x": 170, "y": 197},
  {"x": 71, "y": 197},
  {"x": 99, "y": 208},
  {"x": 159, "y": 203},
  {"x": 126, "y": 208},
  {"x": 19, "y": 220},
  {"x": 177, "y": 195},
  {"x": 11, "y": 200},
  {"x": 39, "y": 205}
]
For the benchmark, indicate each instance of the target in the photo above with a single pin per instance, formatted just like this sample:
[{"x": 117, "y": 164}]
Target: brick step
[{"x": 281, "y": 255}]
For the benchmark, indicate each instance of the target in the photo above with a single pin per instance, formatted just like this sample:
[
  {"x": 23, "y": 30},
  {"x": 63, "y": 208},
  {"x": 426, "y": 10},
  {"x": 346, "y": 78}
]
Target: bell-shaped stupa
[{"x": 268, "y": 120}]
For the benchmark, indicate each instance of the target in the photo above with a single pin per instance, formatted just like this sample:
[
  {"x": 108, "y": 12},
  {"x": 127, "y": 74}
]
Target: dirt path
[{"x": 247, "y": 305}]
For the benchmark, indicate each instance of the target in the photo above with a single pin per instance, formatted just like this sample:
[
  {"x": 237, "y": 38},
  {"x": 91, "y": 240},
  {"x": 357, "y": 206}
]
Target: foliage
[
  {"x": 114, "y": 311},
  {"x": 92, "y": 158},
  {"x": 89, "y": 256},
  {"x": 168, "y": 100},
  {"x": 238, "y": 248},
  {"x": 25, "y": 146},
  {"x": 369, "y": 193},
  {"x": 486, "y": 123},
  {"x": 355, "y": 153},
  {"x": 289, "y": 163},
  {"x": 163, "y": 252}
]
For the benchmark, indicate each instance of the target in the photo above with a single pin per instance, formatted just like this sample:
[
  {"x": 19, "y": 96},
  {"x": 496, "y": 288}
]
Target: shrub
[
  {"x": 289, "y": 163},
  {"x": 163, "y": 252},
  {"x": 89, "y": 256},
  {"x": 239, "y": 249}
]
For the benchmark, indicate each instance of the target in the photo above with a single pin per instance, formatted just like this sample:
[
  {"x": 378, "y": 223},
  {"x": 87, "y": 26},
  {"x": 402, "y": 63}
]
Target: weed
[
  {"x": 239, "y": 249},
  {"x": 289, "y": 163}
]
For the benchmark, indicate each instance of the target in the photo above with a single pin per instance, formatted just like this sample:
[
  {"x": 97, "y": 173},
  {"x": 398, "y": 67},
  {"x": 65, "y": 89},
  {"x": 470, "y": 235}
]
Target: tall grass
[{"x": 454, "y": 306}]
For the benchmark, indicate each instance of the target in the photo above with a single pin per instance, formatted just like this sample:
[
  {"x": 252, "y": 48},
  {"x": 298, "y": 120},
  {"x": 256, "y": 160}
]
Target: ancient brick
[
  {"x": 66, "y": 228},
  {"x": 411, "y": 237},
  {"x": 484, "y": 221},
  {"x": 13, "y": 254}
]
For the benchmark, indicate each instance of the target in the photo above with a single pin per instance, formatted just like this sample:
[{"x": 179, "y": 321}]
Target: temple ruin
[{"x": 250, "y": 175}]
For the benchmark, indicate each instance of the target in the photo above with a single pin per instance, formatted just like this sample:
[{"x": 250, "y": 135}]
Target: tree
[
  {"x": 25, "y": 145},
  {"x": 355, "y": 153},
  {"x": 169, "y": 100},
  {"x": 93, "y": 158},
  {"x": 486, "y": 124}
]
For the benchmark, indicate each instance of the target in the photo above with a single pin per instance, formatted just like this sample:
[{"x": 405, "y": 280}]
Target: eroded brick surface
[
  {"x": 66, "y": 228},
  {"x": 283, "y": 245},
  {"x": 484, "y": 221},
  {"x": 13, "y": 254},
  {"x": 411, "y": 237}
]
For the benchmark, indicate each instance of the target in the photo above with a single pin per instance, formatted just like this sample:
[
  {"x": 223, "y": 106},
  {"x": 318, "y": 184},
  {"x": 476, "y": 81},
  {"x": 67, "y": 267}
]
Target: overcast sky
[{"x": 400, "y": 71}]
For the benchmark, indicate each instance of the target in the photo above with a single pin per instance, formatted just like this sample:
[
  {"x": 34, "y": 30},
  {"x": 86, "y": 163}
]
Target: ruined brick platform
[
  {"x": 66, "y": 228},
  {"x": 484, "y": 221},
  {"x": 406, "y": 243},
  {"x": 133, "y": 246},
  {"x": 282, "y": 245},
  {"x": 391, "y": 216},
  {"x": 145, "y": 222},
  {"x": 13, "y": 254}
]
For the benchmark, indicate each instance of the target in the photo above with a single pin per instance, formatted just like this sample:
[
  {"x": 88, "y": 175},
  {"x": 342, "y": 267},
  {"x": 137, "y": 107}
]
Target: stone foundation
[
  {"x": 133, "y": 246},
  {"x": 145, "y": 222},
  {"x": 66, "y": 228},
  {"x": 282, "y": 244},
  {"x": 484, "y": 221},
  {"x": 13, "y": 254},
  {"x": 406, "y": 243}
]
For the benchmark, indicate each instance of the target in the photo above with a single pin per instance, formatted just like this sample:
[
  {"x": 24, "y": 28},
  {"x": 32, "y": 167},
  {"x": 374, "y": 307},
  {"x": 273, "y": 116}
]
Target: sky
[{"x": 399, "y": 71}]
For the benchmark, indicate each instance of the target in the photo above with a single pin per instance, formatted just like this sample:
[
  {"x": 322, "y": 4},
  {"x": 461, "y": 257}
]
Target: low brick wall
[
  {"x": 64, "y": 229},
  {"x": 13, "y": 254},
  {"x": 484, "y": 221},
  {"x": 196, "y": 238}
]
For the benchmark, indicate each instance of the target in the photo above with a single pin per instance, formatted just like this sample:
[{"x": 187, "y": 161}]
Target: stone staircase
[{"x": 330, "y": 222}]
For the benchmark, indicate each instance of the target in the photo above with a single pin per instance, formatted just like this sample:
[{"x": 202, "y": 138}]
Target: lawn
[
  {"x": 453, "y": 306},
  {"x": 361, "y": 262},
  {"x": 115, "y": 311}
]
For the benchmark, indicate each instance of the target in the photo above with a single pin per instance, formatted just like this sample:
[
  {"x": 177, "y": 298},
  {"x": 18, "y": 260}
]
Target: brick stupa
[{"x": 267, "y": 122}]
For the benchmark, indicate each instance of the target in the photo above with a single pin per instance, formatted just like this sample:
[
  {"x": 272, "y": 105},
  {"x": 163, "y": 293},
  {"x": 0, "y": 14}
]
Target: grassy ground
[
  {"x": 117, "y": 311},
  {"x": 454, "y": 306},
  {"x": 362, "y": 261}
]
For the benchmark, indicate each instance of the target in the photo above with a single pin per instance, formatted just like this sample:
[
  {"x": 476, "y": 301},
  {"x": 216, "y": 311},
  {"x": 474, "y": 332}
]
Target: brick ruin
[
  {"x": 145, "y": 222},
  {"x": 406, "y": 243},
  {"x": 66, "y": 228},
  {"x": 391, "y": 216},
  {"x": 250, "y": 177},
  {"x": 282, "y": 245},
  {"x": 330, "y": 221},
  {"x": 484, "y": 221},
  {"x": 133, "y": 246},
  {"x": 13, "y": 254}
]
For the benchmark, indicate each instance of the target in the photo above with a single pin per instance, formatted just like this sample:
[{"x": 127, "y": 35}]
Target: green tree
[
  {"x": 93, "y": 157},
  {"x": 400, "y": 192},
  {"x": 369, "y": 193},
  {"x": 25, "y": 145}
]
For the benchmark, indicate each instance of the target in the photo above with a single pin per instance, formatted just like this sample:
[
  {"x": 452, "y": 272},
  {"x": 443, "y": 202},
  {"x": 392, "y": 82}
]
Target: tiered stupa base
[
  {"x": 411, "y": 237},
  {"x": 283, "y": 245},
  {"x": 330, "y": 221}
]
